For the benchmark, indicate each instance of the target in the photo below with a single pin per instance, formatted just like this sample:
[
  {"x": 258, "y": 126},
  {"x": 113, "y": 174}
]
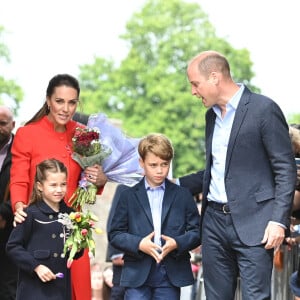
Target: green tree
[
  {"x": 294, "y": 119},
  {"x": 149, "y": 90},
  {"x": 9, "y": 89}
]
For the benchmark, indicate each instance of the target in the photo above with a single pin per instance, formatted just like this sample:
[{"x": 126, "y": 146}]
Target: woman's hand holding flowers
[{"x": 95, "y": 175}]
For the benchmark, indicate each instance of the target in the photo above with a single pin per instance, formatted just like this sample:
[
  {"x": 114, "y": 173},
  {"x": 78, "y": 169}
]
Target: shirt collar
[
  {"x": 148, "y": 187},
  {"x": 235, "y": 99}
]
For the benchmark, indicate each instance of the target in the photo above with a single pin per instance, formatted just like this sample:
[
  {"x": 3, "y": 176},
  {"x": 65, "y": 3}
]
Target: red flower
[{"x": 86, "y": 141}]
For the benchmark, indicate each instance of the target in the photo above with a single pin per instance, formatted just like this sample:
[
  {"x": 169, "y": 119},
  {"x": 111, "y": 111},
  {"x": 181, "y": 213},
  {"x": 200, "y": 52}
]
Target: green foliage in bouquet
[{"x": 79, "y": 233}]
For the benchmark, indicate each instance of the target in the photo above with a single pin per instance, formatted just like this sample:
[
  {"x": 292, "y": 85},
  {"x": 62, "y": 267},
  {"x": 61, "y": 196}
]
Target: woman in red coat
[{"x": 49, "y": 135}]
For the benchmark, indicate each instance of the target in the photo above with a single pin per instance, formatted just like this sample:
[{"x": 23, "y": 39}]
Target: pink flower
[
  {"x": 69, "y": 263},
  {"x": 84, "y": 232}
]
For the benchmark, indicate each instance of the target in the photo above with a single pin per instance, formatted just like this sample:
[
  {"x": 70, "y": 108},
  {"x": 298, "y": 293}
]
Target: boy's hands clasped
[{"x": 157, "y": 252}]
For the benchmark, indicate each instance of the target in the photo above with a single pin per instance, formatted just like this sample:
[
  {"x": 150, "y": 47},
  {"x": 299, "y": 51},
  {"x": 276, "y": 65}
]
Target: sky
[{"x": 56, "y": 36}]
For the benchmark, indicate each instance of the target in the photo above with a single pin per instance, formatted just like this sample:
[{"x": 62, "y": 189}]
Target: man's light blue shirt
[{"x": 220, "y": 141}]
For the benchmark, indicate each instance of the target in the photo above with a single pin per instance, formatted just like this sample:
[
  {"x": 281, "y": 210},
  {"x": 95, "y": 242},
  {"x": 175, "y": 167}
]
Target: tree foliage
[
  {"x": 9, "y": 89},
  {"x": 149, "y": 90},
  {"x": 294, "y": 119}
]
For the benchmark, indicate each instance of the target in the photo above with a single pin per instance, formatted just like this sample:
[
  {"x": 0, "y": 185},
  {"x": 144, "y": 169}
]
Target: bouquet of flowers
[
  {"x": 122, "y": 165},
  {"x": 78, "y": 233},
  {"x": 87, "y": 151}
]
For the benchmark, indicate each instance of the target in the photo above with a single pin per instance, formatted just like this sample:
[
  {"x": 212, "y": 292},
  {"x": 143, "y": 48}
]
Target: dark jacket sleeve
[
  {"x": 15, "y": 246},
  {"x": 193, "y": 182},
  {"x": 110, "y": 249}
]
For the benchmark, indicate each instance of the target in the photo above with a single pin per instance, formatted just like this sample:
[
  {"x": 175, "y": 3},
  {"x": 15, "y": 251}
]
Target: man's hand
[
  {"x": 147, "y": 246},
  {"x": 274, "y": 235}
]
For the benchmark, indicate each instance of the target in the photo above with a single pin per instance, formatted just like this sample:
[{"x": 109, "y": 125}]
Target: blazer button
[
  {"x": 55, "y": 254},
  {"x": 53, "y": 235},
  {"x": 50, "y": 217}
]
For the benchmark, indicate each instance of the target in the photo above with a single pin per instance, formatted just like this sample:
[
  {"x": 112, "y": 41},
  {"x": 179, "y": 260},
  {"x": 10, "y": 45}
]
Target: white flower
[{"x": 64, "y": 219}]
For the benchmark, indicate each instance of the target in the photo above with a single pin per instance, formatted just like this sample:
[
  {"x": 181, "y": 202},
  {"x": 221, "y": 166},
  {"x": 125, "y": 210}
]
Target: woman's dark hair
[
  {"x": 49, "y": 165},
  {"x": 56, "y": 81}
]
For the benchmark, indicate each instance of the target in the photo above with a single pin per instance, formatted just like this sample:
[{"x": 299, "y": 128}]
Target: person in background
[
  {"x": 295, "y": 283},
  {"x": 155, "y": 225},
  {"x": 8, "y": 270},
  {"x": 107, "y": 282},
  {"x": 97, "y": 281},
  {"x": 294, "y": 131},
  {"x": 115, "y": 255},
  {"x": 101, "y": 282},
  {"x": 247, "y": 185},
  {"x": 81, "y": 118},
  {"x": 49, "y": 134},
  {"x": 36, "y": 245}
]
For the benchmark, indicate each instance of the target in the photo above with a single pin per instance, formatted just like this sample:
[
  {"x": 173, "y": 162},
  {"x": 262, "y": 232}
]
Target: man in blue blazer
[
  {"x": 247, "y": 185},
  {"x": 155, "y": 224}
]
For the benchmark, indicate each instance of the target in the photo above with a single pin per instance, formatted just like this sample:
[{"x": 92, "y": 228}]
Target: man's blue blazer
[{"x": 260, "y": 170}]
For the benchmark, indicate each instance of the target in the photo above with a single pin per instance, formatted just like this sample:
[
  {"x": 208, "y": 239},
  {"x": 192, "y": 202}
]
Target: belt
[{"x": 219, "y": 206}]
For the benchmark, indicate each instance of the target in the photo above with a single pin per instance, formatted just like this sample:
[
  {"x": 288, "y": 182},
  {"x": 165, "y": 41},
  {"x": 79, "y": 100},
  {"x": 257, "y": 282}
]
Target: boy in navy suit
[{"x": 155, "y": 225}]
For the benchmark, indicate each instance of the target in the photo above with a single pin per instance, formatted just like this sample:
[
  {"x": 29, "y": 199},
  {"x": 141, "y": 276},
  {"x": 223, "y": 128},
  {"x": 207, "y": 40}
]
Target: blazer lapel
[
  {"x": 142, "y": 198},
  {"x": 237, "y": 122},
  {"x": 7, "y": 159},
  {"x": 167, "y": 200}
]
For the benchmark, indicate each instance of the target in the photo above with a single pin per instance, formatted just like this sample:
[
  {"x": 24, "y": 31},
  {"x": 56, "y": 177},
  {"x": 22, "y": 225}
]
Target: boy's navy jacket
[{"x": 132, "y": 221}]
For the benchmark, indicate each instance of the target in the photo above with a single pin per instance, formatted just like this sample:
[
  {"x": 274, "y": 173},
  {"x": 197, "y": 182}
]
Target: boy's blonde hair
[{"x": 158, "y": 144}]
